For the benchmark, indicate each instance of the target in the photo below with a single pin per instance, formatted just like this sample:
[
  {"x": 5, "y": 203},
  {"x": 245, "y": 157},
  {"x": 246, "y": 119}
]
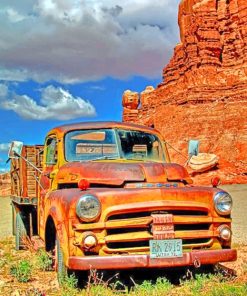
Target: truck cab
[{"x": 108, "y": 197}]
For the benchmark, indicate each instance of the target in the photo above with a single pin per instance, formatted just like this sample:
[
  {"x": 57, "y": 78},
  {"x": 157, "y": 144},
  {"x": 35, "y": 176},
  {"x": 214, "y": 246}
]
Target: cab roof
[{"x": 100, "y": 124}]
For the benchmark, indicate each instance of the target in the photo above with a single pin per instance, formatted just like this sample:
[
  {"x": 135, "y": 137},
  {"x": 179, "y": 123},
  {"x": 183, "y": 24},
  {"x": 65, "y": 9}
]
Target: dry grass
[{"x": 44, "y": 283}]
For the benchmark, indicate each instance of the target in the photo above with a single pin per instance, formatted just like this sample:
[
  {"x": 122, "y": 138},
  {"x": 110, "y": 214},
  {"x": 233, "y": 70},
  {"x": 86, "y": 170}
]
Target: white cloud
[
  {"x": 62, "y": 10},
  {"x": 4, "y": 170},
  {"x": 14, "y": 16},
  {"x": 4, "y": 147},
  {"x": 79, "y": 40},
  {"x": 97, "y": 87},
  {"x": 55, "y": 103},
  {"x": 3, "y": 91}
]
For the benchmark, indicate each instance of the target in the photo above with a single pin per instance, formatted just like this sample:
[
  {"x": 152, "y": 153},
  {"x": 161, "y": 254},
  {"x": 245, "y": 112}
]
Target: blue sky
[{"x": 65, "y": 61}]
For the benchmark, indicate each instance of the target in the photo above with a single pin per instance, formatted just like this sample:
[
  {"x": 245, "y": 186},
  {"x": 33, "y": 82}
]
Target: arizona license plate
[{"x": 167, "y": 248}]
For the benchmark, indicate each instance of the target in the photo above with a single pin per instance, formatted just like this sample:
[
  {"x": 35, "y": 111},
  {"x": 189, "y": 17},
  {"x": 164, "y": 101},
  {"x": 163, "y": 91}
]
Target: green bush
[
  {"x": 22, "y": 271},
  {"x": 68, "y": 284},
  {"x": 44, "y": 260},
  {"x": 162, "y": 287},
  {"x": 226, "y": 289}
]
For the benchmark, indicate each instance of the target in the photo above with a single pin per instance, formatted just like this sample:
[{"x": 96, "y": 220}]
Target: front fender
[
  {"x": 60, "y": 229},
  {"x": 60, "y": 205}
]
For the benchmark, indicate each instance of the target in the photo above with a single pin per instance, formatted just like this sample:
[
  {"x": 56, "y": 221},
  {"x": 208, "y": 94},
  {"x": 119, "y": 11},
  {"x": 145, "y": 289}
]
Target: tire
[
  {"x": 13, "y": 219},
  {"x": 20, "y": 231},
  {"x": 61, "y": 269}
]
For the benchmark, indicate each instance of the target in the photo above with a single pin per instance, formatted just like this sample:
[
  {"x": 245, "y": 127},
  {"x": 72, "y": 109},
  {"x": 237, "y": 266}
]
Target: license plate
[{"x": 167, "y": 248}]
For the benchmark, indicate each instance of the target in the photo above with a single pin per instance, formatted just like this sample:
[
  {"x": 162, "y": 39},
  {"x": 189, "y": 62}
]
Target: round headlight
[
  {"x": 223, "y": 203},
  {"x": 88, "y": 208},
  {"x": 225, "y": 232}
]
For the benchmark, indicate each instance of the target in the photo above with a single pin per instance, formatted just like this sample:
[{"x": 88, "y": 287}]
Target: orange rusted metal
[
  {"x": 139, "y": 200},
  {"x": 163, "y": 227},
  {"x": 144, "y": 261}
]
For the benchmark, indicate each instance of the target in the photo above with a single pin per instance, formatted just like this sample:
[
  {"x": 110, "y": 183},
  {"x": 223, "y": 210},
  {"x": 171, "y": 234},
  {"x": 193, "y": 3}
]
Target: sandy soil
[
  {"x": 239, "y": 213},
  {"x": 5, "y": 217}
]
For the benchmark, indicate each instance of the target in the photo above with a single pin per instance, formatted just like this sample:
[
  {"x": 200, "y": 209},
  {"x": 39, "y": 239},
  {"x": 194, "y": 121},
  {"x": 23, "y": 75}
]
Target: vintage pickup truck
[{"x": 105, "y": 195}]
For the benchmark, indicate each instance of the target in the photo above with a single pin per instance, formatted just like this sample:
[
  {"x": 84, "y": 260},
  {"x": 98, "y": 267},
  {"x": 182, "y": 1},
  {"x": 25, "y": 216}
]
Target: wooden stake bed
[{"x": 24, "y": 185}]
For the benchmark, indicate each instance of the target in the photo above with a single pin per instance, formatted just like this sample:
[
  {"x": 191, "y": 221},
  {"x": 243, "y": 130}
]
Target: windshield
[
  {"x": 139, "y": 145},
  {"x": 90, "y": 145}
]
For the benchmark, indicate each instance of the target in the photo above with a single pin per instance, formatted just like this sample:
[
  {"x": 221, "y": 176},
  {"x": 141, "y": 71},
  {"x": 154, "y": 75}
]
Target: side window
[{"x": 51, "y": 151}]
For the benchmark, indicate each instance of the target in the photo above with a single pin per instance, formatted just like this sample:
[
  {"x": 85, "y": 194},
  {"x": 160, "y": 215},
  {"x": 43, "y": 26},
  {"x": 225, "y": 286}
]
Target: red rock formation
[
  {"x": 5, "y": 185},
  {"x": 204, "y": 90},
  {"x": 130, "y": 104}
]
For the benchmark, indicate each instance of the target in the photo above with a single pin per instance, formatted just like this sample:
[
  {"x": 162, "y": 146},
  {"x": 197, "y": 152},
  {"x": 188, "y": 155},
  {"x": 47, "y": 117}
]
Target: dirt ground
[
  {"x": 239, "y": 212},
  {"x": 5, "y": 217},
  {"x": 238, "y": 192}
]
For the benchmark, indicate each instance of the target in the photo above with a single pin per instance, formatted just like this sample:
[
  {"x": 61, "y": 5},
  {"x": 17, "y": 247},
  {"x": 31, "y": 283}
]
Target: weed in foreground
[
  {"x": 22, "y": 271},
  {"x": 44, "y": 260},
  {"x": 198, "y": 284},
  {"x": 212, "y": 285},
  {"x": 147, "y": 288},
  {"x": 96, "y": 285},
  {"x": 226, "y": 289},
  {"x": 34, "y": 292},
  {"x": 68, "y": 285}
]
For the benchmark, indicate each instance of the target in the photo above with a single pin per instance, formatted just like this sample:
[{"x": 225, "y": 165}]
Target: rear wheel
[
  {"x": 20, "y": 231},
  {"x": 13, "y": 219}
]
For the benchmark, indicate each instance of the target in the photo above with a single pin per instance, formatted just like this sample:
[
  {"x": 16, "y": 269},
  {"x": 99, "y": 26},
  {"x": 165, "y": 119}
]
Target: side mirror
[
  {"x": 15, "y": 149},
  {"x": 193, "y": 147}
]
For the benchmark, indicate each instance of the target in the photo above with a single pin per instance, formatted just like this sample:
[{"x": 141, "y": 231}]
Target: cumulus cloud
[
  {"x": 4, "y": 147},
  {"x": 79, "y": 40},
  {"x": 4, "y": 170},
  {"x": 3, "y": 90},
  {"x": 56, "y": 103}
]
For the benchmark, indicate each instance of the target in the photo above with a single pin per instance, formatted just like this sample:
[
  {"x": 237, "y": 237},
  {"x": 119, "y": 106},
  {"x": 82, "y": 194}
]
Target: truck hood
[{"x": 116, "y": 174}]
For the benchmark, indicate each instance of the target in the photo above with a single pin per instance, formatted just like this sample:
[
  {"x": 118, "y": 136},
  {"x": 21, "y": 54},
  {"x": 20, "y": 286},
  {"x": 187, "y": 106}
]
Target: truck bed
[{"x": 24, "y": 177}]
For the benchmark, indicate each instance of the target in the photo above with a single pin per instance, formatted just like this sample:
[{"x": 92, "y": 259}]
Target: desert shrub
[
  {"x": 69, "y": 285},
  {"x": 34, "y": 292},
  {"x": 22, "y": 271},
  {"x": 44, "y": 260},
  {"x": 161, "y": 287}
]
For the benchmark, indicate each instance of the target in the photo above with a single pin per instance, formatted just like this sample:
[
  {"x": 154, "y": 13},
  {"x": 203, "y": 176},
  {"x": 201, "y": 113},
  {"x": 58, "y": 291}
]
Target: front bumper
[{"x": 194, "y": 258}]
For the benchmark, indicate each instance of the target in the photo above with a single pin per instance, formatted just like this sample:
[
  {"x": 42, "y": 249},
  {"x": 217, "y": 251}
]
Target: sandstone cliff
[
  {"x": 204, "y": 90},
  {"x": 5, "y": 184}
]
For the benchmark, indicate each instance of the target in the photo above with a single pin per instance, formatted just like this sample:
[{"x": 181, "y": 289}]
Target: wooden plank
[
  {"x": 23, "y": 182},
  {"x": 24, "y": 172}
]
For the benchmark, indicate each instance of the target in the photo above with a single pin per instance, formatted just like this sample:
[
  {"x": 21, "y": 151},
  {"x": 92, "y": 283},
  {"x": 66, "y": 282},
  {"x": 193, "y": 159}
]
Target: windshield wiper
[
  {"x": 104, "y": 157},
  {"x": 136, "y": 159}
]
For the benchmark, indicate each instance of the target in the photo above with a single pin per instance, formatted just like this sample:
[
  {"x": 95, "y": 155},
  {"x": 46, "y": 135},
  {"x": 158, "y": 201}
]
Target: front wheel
[
  {"x": 60, "y": 267},
  {"x": 79, "y": 278}
]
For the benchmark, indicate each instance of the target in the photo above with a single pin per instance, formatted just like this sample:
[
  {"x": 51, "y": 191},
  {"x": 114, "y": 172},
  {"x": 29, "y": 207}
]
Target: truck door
[{"x": 49, "y": 166}]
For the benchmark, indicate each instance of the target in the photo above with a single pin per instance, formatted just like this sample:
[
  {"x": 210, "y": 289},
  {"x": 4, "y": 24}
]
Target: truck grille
[
  {"x": 148, "y": 214},
  {"x": 178, "y": 227},
  {"x": 131, "y": 232}
]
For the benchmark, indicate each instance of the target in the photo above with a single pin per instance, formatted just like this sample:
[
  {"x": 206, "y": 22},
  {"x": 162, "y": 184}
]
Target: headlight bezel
[
  {"x": 88, "y": 218},
  {"x": 218, "y": 203}
]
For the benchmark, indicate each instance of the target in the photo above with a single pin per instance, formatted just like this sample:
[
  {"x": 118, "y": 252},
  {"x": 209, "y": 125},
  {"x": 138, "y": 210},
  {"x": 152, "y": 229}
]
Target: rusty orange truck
[{"x": 105, "y": 195}]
